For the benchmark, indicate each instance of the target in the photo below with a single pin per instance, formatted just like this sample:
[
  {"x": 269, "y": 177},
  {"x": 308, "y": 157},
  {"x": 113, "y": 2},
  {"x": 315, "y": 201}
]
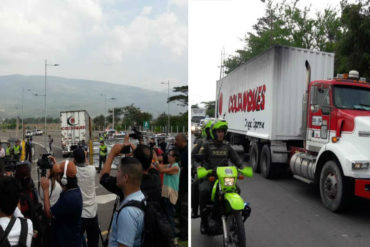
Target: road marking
[{"x": 103, "y": 199}]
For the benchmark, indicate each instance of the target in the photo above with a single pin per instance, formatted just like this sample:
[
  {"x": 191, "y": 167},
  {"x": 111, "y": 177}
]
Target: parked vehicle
[
  {"x": 75, "y": 127},
  {"x": 29, "y": 133},
  {"x": 318, "y": 130}
]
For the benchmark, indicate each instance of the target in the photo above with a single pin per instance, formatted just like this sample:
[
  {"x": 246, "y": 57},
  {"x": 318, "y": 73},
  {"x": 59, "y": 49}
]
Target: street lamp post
[
  {"x": 22, "y": 111},
  {"x": 46, "y": 65},
  {"x": 112, "y": 112},
  {"x": 168, "y": 106}
]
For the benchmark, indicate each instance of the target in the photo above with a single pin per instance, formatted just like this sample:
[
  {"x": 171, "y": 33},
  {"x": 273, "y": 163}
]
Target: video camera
[
  {"x": 44, "y": 164},
  {"x": 9, "y": 165},
  {"x": 136, "y": 135}
]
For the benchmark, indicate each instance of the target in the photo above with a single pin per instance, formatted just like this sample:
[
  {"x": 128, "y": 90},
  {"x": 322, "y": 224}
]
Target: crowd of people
[{"x": 150, "y": 184}]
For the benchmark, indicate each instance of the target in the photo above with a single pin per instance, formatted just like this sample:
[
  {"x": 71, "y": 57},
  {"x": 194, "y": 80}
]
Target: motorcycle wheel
[{"x": 235, "y": 231}]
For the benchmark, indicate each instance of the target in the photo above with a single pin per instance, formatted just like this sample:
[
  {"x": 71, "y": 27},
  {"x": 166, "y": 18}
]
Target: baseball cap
[{"x": 71, "y": 169}]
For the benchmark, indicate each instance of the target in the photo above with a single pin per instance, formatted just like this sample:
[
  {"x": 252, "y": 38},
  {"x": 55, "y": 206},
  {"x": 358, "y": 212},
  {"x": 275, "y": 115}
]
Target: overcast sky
[
  {"x": 217, "y": 24},
  {"x": 134, "y": 42}
]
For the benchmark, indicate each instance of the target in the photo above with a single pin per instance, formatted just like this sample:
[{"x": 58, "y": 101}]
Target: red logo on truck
[
  {"x": 220, "y": 105},
  {"x": 71, "y": 121},
  {"x": 249, "y": 100}
]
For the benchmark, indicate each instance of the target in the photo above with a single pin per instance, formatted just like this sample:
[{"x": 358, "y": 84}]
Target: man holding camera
[
  {"x": 151, "y": 183},
  {"x": 66, "y": 213},
  {"x": 86, "y": 182}
]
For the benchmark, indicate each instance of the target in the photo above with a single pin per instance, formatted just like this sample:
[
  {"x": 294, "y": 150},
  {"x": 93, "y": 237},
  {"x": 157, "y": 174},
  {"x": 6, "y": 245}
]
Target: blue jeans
[{"x": 170, "y": 211}]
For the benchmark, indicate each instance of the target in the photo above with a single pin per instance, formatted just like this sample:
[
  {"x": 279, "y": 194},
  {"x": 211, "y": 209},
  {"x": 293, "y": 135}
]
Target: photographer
[
  {"x": 86, "y": 182},
  {"x": 150, "y": 185},
  {"x": 13, "y": 231},
  {"x": 66, "y": 213}
]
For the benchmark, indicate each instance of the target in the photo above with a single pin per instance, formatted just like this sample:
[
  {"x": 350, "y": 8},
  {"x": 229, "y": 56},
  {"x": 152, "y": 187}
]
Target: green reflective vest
[
  {"x": 103, "y": 150},
  {"x": 17, "y": 150},
  {"x": 7, "y": 151}
]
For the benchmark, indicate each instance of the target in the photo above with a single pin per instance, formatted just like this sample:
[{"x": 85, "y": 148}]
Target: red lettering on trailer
[
  {"x": 249, "y": 100},
  {"x": 74, "y": 128}
]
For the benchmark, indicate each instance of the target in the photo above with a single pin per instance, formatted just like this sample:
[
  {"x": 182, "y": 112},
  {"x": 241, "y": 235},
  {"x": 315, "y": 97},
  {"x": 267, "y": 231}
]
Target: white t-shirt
[
  {"x": 54, "y": 196},
  {"x": 15, "y": 232},
  {"x": 86, "y": 182}
]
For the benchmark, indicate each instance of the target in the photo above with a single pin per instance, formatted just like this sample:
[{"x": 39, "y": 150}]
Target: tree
[
  {"x": 133, "y": 116},
  {"x": 98, "y": 122},
  {"x": 285, "y": 24},
  {"x": 195, "y": 106},
  {"x": 353, "y": 49},
  {"x": 210, "y": 108},
  {"x": 182, "y": 97}
]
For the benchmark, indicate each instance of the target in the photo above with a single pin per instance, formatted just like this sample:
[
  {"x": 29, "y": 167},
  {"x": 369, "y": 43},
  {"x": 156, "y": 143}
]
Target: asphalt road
[{"x": 287, "y": 212}]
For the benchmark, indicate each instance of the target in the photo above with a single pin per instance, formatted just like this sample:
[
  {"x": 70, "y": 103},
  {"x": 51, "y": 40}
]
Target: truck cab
[{"x": 336, "y": 155}]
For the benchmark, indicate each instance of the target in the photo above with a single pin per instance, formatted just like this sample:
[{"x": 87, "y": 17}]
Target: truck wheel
[
  {"x": 254, "y": 157},
  {"x": 267, "y": 168},
  {"x": 334, "y": 187}
]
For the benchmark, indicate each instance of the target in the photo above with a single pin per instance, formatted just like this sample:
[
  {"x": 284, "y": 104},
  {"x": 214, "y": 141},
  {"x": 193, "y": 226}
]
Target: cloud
[
  {"x": 180, "y": 3},
  {"x": 143, "y": 33},
  {"x": 146, "y": 10},
  {"x": 35, "y": 28}
]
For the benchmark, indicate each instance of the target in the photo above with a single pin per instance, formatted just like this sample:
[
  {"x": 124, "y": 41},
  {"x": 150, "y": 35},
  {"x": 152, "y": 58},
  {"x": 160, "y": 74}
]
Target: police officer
[
  {"x": 8, "y": 152},
  {"x": 198, "y": 150},
  {"x": 17, "y": 150},
  {"x": 217, "y": 152},
  {"x": 103, "y": 150}
]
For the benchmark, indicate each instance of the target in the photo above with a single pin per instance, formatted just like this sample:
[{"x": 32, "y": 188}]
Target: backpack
[
  {"x": 157, "y": 229},
  {"x": 41, "y": 224},
  {"x": 22, "y": 242}
]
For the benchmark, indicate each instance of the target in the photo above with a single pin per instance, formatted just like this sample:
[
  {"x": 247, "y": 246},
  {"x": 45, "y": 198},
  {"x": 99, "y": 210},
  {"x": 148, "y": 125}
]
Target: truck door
[{"x": 319, "y": 116}]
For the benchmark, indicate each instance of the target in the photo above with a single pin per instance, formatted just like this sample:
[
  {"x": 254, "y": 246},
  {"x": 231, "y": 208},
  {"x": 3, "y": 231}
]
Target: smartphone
[{"x": 126, "y": 150}]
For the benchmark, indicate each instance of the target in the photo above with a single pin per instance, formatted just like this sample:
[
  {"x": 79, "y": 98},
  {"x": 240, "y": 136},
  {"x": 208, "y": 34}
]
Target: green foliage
[
  {"x": 175, "y": 121},
  {"x": 210, "y": 108},
  {"x": 353, "y": 49},
  {"x": 345, "y": 31},
  {"x": 182, "y": 97},
  {"x": 195, "y": 106},
  {"x": 133, "y": 116},
  {"x": 98, "y": 122}
]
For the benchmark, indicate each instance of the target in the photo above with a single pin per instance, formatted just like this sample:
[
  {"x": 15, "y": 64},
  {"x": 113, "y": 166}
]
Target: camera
[
  {"x": 126, "y": 150},
  {"x": 44, "y": 164},
  {"x": 136, "y": 134},
  {"x": 9, "y": 165}
]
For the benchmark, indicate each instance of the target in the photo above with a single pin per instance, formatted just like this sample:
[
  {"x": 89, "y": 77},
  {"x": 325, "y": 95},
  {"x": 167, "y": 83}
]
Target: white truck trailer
[
  {"x": 285, "y": 109},
  {"x": 75, "y": 129}
]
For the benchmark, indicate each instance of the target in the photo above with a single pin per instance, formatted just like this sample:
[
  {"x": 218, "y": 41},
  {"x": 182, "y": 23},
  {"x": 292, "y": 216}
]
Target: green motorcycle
[{"x": 227, "y": 211}]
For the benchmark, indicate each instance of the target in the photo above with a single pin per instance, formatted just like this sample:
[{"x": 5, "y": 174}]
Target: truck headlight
[
  {"x": 358, "y": 165},
  {"x": 229, "y": 181}
]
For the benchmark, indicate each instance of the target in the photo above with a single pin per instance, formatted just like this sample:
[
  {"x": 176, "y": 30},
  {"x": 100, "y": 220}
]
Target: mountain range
[{"x": 75, "y": 94}]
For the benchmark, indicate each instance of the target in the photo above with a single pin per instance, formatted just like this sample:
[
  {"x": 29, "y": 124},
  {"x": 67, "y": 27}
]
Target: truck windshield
[{"x": 355, "y": 98}]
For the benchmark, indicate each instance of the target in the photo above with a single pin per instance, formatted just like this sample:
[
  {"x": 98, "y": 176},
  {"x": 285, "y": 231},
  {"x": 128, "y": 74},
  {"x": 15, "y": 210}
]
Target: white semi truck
[
  {"x": 75, "y": 129},
  {"x": 290, "y": 114}
]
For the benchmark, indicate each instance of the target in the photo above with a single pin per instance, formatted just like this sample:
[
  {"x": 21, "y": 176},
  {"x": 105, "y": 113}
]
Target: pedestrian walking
[
  {"x": 29, "y": 150},
  {"x": 51, "y": 140}
]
